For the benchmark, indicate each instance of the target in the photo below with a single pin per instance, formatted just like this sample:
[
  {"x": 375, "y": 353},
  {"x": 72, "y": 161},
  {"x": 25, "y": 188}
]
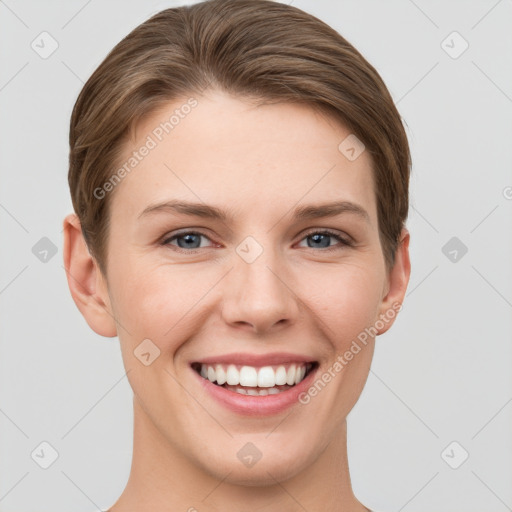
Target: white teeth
[
  {"x": 299, "y": 374},
  {"x": 232, "y": 375},
  {"x": 266, "y": 377},
  {"x": 248, "y": 376},
  {"x": 281, "y": 376},
  {"x": 256, "y": 391},
  {"x": 290, "y": 375},
  {"x": 220, "y": 374}
]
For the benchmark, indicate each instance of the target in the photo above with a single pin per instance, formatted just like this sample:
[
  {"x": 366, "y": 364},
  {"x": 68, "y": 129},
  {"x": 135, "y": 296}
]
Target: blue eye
[
  {"x": 186, "y": 240},
  {"x": 190, "y": 241},
  {"x": 320, "y": 239}
]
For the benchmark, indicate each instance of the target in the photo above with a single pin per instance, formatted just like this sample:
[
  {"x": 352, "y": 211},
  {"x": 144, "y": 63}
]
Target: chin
[{"x": 276, "y": 466}]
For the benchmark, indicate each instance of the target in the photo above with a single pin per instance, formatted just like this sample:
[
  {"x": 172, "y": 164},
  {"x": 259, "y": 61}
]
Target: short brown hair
[{"x": 261, "y": 49}]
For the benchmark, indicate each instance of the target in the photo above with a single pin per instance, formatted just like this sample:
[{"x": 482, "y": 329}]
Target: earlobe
[
  {"x": 398, "y": 279},
  {"x": 86, "y": 283}
]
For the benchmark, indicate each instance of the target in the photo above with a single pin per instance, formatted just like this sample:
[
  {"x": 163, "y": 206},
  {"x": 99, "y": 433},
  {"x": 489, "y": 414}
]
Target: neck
[{"x": 163, "y": 479}]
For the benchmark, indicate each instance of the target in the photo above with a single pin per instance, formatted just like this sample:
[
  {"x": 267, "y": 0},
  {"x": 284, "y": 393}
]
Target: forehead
[{"x": 220, "y": 149}]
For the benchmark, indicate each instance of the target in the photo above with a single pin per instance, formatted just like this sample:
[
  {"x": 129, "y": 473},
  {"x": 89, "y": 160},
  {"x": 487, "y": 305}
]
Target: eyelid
[
  {"x": 347, "y": 239},
  {"x": 186, "y": 231},
  {"x": 343, "y": 238}
]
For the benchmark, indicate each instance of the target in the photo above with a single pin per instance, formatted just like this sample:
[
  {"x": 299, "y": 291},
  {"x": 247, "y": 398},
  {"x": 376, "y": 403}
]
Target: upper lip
[{"x": 246, "y": 359}]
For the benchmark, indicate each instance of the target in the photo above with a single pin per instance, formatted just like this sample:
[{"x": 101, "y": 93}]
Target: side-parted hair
[{"x": 258, "y": 49}]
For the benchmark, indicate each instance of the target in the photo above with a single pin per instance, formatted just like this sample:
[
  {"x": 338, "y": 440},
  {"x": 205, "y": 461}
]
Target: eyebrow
[{"x": 323, "y": 210}]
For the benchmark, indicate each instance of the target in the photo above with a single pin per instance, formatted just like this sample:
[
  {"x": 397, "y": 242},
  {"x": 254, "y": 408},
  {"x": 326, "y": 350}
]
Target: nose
[{"x": 258, "y": 296}]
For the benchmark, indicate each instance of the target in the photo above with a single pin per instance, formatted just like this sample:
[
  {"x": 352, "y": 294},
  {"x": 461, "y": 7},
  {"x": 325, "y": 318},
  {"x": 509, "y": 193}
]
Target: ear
[
  {"x": 86, "y": 282},
  {"x": 398, "y": 279}
]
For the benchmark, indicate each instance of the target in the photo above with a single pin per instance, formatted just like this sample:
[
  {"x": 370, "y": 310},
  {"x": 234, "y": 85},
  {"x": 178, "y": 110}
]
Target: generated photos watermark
[
  {"x": 343, "y": 359},
  {"x": 151, "y": 142}
]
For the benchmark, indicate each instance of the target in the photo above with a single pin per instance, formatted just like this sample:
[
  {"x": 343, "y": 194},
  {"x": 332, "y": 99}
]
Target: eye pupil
[
  {"x": 319, "y": 237},
  {"x": 316, "y": 240},
  {"x": 190, "y": 239}
]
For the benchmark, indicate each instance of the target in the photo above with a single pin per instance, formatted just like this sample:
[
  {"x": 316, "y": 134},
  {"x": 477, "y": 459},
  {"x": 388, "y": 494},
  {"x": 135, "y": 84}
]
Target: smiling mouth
[{"x": 255, "y": 381}]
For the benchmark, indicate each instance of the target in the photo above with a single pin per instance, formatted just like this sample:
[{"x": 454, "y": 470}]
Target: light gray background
[{"x": 443, "y": 372}]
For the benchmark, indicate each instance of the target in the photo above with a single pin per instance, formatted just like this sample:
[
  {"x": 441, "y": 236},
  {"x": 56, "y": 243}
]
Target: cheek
[
  {"x": 157, "y": 301},
  {"x": 345, "y": 300},
  {"x": 167, "y": 303},
  {"x": 154, "y": 303}
]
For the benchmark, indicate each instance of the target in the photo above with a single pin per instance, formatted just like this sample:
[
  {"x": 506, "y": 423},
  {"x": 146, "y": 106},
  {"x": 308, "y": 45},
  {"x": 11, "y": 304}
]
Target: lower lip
[{"x": 257, "y": 405}]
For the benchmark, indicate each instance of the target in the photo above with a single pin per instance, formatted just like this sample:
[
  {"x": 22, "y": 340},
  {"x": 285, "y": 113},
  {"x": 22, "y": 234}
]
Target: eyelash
[{"x": 343, "y": 241}]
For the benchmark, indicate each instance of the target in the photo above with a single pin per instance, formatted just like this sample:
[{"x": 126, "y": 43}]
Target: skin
[{"x": 258, "y": 163}]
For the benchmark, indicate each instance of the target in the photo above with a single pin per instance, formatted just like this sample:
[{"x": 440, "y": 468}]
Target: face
[{"x": 244, "y": 250}]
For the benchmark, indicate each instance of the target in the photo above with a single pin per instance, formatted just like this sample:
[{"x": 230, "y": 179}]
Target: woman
[{"x": 239, "y": 175}]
